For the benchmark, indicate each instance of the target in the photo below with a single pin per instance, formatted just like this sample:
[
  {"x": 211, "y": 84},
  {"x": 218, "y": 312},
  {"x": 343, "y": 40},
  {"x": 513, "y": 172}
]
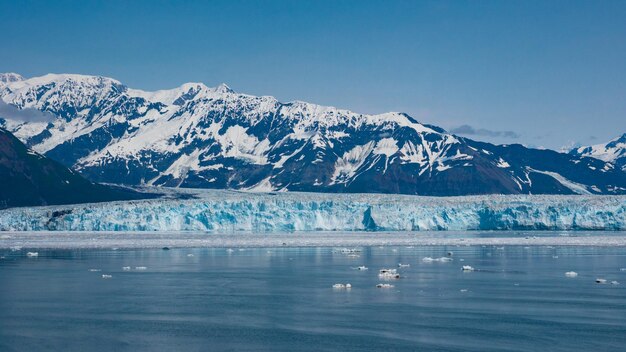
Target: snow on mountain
[
  {"x": 613, "y": 152},
  {"x": 202, "y": 137}
]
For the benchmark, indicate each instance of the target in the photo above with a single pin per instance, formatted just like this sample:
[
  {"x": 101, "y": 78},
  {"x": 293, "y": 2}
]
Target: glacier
[{"x": 218, "y": 211}]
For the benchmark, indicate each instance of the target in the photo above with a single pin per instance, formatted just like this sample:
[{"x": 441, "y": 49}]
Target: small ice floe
[
  {"x": 105, "y": 276},
  {"x": 571, "y": 274},
  {"x": 95, "y": 270},
  {"x": 114, "y": 248},
  {"x": 342, "y": 286},
  {"x": 500, "y": 248},
  {"x": 349, "y": 250},
  {"x": 362, "y": 267},
  {"x": 384, "y": 286},
  {"x": 600, "y": 281},
  {"x": 190, "y": 255},
  {"x": 463, "y": 290},
  {"x": 442, "y": 259},
  {"x": 388, "y": 274},
  {"x": 126, "y": 268},
  {"x": 230, "y": 250},
  {"x": 353, "y": 255},
  {"x": 400, "y": 265},
  {"x": 461, "y": 260},
  {"x": 614, "y": 282},
  {"x": 140, "y": 268},
  {"x": 467, "y": 268},
  {"x": 242, "y": 249},
  {"x": 32, "y": 254},
  {"x": 622, "y": 269}
]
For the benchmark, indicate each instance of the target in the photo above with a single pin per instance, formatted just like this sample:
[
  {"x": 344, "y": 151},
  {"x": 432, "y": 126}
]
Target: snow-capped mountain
[
  {"x": 196, "y": 136},
  {"x": 613, "y": 152}
]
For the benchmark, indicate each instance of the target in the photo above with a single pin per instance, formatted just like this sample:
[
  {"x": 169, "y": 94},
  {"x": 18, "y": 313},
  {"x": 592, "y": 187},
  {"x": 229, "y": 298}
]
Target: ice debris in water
[
  {"x": 190, "y": 255},
  {"x": 430, "y": 260},
  {"x": 95, "y": 270},
  {"x": 32, "y": 254},
  {"x": 362, "y": 267},
  {"x": 105, "y": 276},
  {"x": 614, "y": 282},
  {"x": 140, "y": 268},
  {"x": 571, "y": 274},
  {"x": 126, "y": 268},
  {"x": 388, "y": 274},
  {"x": 342, "y": 286},
  {"x": 384, "y": 286},
  {"x": 467, "y": 268},
  {"x": 601, "y": 281},
  {"x": 400, "y": 265}
]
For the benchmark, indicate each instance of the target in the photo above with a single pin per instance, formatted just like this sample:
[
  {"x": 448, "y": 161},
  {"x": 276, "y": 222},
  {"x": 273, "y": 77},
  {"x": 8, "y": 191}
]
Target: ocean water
[{"x": 281, "y": 299}]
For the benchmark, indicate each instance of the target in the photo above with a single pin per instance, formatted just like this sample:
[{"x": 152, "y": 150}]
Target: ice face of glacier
[{"x": 230, "y": 211}]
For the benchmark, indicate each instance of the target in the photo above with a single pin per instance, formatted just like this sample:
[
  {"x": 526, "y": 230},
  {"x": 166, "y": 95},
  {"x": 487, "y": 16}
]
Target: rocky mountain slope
[{"x": 28, "y": 178}]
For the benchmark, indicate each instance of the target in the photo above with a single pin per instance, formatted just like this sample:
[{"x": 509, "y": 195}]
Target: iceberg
[{"x": 220, "y": 211}]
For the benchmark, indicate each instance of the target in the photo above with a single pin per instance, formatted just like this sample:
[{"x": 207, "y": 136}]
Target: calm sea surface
[{"x": 281, "y": 299}]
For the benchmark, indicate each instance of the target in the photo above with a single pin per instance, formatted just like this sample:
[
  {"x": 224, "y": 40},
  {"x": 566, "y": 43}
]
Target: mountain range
[{"x": 202, "y": 137}]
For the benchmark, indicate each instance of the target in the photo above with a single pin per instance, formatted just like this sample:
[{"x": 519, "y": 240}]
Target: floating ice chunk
[
  {"x": 353, "y": 255},
  {"x": 463, "y": 290},
  {"x": 555, "y": 257},
  {"x": 342, "y": 286},
  {"x": 230, "y": 250},
  {"x": 140, "y": 268},
  {"x": 388, "y": 274},
  {"x": 614, "y": 282},
  {"x": 105, "y": 276},
  {"x": 32, "y": 254},
  {"x": 442, "y": 259},
  {"x": 126, "y": 268},
  {"x": 95, "y": 270},
  {"x": 190, "y": 255},
  {"x": 349, "y": 286},
  {"x": 467, "y": 268},
  {"x": 571, "y": 274},
  {"x": 349, "y": 250},
  {"x": 601, "y": 281},
  {"x": 362, "y": 267},
  {"x": 622, "y": 269},
  {"x": 400, "y": 265},
  {"x": 384, "y": 286}
]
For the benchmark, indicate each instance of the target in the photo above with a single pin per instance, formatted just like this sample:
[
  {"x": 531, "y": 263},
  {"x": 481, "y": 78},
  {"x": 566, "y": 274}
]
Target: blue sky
[{"x": 542, "y": 73}]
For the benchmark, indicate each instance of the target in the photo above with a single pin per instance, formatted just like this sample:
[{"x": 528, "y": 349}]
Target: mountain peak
[
  {"x": 223, "y": 88},
  {"x": 10, "y": 77}
]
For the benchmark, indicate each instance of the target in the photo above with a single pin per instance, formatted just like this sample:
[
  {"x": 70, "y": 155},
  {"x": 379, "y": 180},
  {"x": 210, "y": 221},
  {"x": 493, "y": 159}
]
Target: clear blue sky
[{"x": 549, "y": 72}]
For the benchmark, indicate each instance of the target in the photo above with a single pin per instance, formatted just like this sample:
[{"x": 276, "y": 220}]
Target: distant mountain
[
  {"x": 196, "y": 136},
  {"x": 28, "y": 178},
  {"x": 613, "y": 152}
]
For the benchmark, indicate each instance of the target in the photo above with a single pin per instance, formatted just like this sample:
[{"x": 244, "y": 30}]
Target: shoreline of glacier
[
  {"x": 155, "y": 240},
  {"x": 219, "y": 211}
]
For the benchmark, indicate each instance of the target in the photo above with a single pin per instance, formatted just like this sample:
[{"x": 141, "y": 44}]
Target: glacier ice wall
[{"x": 230, "y": 211}]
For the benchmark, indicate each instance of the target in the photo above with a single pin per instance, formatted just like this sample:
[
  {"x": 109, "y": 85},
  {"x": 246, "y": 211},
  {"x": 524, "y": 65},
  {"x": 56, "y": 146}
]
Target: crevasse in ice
[{"x": 230, "y": 211}]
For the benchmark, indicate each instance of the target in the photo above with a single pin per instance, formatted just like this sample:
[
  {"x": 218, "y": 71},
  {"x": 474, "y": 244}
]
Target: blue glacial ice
[{"x": 231, "y": 211}]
